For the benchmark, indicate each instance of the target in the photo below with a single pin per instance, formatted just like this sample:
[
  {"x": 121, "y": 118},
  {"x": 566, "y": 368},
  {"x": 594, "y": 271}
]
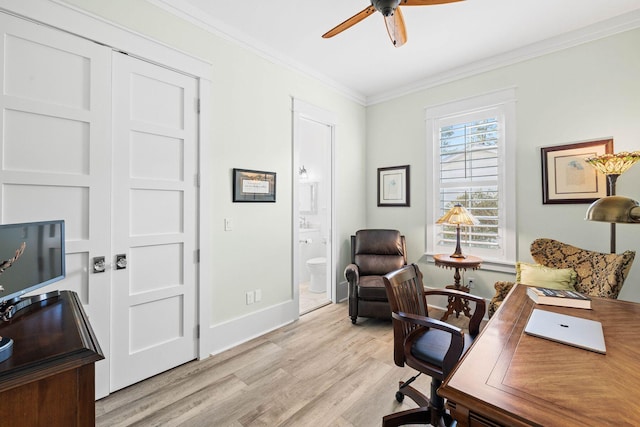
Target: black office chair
[{"x": 427, "y": 345}]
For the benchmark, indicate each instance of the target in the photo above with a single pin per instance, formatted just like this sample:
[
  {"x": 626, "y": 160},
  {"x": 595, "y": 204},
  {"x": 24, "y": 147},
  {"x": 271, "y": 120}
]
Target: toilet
[{"x": 318, "y": 270}]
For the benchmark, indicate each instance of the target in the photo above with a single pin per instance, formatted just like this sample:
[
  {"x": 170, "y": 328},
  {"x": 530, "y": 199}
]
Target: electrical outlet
[
  {"x": 250, "y": 297},
  {"x": 470, "y": 282},
  {"x": 258, "y": 295},
  {"x": 228, "y": 224}
]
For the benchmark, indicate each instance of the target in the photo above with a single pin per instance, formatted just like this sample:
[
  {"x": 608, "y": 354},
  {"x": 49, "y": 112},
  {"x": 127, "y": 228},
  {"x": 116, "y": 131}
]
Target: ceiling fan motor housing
[{"x": 386, "y": 7}]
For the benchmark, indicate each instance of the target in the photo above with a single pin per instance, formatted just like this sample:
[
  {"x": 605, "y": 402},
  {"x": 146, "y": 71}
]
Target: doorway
[{"x": 314, "y": 132}]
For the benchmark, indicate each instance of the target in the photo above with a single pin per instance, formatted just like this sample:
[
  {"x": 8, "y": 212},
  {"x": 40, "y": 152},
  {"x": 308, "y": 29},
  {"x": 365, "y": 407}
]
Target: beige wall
[
  {"x": 582, "y": 93},
  {"x": 251, "y": 125}
]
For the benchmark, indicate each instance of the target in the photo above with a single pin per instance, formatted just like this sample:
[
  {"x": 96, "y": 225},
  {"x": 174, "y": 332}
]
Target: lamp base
[{"x": 457, "y": 255}]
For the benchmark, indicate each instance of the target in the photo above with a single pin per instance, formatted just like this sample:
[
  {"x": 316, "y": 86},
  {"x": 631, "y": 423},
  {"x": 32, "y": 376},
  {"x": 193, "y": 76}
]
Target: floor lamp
[{"x": 614, "y": 209}]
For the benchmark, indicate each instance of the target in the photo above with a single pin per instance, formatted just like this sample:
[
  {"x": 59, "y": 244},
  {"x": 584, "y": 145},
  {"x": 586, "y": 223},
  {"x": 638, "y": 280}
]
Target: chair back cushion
[
  {"x": 378, "y": 252},
  {"x": 598, "y": 274}
]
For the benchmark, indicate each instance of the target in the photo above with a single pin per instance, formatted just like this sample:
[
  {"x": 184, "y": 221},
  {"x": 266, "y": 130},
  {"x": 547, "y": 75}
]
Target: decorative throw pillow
[{"x": 539, "y": 275}]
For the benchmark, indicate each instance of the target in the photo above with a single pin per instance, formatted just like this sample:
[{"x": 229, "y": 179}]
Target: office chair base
[
  {"x": 422, "y": 415},
  {"x": 427, "y": 413},
  {"x": 412, "y": 393}
]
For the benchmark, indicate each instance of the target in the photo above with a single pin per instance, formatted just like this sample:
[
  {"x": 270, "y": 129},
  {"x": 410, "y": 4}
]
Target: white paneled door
[
  {"x": 154, "y": 220},
  {"x": 56, "y": 155},
  {"x": 108, "y": 143}
]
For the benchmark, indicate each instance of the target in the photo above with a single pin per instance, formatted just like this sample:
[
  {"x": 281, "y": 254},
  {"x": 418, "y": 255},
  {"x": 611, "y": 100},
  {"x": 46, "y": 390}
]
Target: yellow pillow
[{"x": 539, "y": 275}]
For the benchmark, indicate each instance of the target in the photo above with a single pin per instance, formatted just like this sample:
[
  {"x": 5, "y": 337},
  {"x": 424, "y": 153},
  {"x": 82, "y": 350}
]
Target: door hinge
[
  {"x": 198, "y": 105},
  {"x": 196, "y": 180},
  {"x": 197, "y": 254}
]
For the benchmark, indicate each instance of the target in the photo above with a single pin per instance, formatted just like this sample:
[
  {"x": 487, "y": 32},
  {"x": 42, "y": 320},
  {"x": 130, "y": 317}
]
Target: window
[{"x": 471, "y": 145}]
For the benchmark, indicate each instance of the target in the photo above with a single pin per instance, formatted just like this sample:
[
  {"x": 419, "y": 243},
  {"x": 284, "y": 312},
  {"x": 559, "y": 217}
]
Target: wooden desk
[
  {"x": 457, "y": 305},
  {"x": 509, "y": 378},
  {"x": 49, "y": 380}
]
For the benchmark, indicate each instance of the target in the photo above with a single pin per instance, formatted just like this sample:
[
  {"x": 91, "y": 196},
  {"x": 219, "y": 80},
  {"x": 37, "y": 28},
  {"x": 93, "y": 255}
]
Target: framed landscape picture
[{"x": 568, "y": 178}]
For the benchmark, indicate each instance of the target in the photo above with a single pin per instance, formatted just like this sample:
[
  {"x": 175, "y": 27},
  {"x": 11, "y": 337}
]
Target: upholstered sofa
[
  {"x": 374, "y": 253},
  {"x": 597, "y": 274}
]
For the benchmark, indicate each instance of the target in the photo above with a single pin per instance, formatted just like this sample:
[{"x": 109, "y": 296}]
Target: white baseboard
[{"x": 234, "y": 332}]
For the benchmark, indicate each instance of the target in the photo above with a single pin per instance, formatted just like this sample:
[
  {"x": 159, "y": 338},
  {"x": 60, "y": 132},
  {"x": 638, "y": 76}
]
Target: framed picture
[
  {"x": 253, "y": 186},
  {"x": 393, "y": 186},
  {"x": 567, "y": 178}
]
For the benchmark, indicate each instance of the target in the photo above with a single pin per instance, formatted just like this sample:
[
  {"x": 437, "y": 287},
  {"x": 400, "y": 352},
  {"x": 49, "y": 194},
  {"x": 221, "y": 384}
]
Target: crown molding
[
  {"x": 616, "y": 25},
  {"x": 600, "y": 30},
  {"x": 193, "y": 15}
]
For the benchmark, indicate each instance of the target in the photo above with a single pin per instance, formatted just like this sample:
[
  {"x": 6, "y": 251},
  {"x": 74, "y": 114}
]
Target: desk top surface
[{"x": 517, "y": 379}]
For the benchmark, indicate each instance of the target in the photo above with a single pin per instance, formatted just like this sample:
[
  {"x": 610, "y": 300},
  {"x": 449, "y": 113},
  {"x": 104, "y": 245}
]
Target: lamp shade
[
  {"x": 458, "y": 215},
  {"x": 614, "y": 164},
  {"x": 614, "y": 209}
]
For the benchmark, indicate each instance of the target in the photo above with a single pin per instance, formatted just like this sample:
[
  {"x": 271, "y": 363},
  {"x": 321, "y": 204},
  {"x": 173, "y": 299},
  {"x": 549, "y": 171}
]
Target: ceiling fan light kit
[
  {"x": 385, "y": 7},
  {"x": 390, "y": 10}
]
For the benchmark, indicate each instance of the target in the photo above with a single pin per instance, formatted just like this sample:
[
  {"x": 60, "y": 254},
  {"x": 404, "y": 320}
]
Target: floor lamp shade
[{"x": 614, "y": 209}]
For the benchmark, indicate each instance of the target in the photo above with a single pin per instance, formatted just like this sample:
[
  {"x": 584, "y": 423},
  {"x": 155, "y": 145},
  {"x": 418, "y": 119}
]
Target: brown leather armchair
[{"x": 374, "y": 253}]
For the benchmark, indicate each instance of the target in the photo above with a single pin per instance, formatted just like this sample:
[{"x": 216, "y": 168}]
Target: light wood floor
[{"x": 318, "y": 371}]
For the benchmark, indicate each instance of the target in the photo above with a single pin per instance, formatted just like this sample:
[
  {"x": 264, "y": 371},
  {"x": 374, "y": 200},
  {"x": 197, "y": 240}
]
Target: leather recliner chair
[{"x": 374, "y": 253}]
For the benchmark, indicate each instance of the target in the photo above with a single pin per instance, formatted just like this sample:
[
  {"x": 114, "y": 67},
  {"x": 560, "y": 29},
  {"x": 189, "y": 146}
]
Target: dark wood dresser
[{"x": 50, "y": 378}]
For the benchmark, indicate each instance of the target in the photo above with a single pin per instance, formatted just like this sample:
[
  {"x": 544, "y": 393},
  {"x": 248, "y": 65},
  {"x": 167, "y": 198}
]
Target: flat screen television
[{"x": 32, "y": 255}]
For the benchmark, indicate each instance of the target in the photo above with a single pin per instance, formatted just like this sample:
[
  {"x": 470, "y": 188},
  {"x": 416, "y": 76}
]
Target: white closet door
[
  {"x": 154, "y": 220},
  {"x": 55, "y": 157}
]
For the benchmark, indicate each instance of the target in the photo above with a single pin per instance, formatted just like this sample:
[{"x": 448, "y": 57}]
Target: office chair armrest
[
  {"x": 478, "y": 312},
  {"x": 456, "y": 346},
  {"x": 428, "y": 322}
]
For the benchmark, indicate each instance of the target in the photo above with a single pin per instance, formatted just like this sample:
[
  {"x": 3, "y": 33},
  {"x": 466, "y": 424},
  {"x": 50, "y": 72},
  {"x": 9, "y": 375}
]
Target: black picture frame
[
  {"x": 568, "y": 178},
  {"x": 254, "y": 186},
  {"x": 394, "y": 186}
]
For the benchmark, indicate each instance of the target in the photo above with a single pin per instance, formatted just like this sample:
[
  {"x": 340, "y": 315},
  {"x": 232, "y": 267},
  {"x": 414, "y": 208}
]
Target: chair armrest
[
  {"x": 352, "y": 273},
  {"x": 456, "y": 346},
  {"x": 428, "y": 322},
  {"x": 478, "y": 311}
]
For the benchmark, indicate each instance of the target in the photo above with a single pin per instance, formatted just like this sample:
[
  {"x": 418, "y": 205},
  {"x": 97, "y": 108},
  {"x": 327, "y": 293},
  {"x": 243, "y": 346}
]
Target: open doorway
[{"x": 313, "y": 207}]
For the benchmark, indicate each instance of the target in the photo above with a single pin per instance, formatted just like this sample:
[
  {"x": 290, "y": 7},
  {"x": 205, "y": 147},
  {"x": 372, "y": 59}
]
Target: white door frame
[{"x": 308, "y": 111}]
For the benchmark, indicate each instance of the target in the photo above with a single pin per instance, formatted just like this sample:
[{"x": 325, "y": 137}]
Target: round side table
[{"x": 457, "y": 305}]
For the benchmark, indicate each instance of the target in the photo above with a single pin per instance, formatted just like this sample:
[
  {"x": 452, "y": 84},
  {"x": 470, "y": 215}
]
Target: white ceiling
[{"x": 444, "y": 41}]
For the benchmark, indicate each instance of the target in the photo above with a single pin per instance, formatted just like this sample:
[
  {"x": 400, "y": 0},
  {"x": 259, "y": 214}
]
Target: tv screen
[{"x": 31, "y": 256}]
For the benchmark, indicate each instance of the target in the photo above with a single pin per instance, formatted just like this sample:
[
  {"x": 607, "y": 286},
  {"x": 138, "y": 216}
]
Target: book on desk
[{"x": 558, "y": 297}]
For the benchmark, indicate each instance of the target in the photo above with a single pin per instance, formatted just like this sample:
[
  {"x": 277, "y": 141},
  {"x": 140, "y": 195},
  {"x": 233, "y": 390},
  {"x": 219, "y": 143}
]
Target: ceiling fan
[{"x": 392, "y": 17}]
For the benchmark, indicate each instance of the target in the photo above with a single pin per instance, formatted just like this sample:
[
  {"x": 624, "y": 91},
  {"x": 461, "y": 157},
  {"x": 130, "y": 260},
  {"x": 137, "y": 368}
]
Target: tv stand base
[{"x": 6, "y": 348}]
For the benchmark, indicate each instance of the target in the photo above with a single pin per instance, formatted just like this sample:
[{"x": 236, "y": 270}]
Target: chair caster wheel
[{"x": 399, "y": 396}]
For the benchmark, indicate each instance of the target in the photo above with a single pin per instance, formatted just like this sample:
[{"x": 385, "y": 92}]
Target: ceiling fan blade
[
  {"x": 425, "y": 2},
  {"x": 349, "y": 22},
  {"x": 396, "y": 28}
]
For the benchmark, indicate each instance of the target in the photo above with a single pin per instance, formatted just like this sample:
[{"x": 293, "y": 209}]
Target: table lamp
[
  {"x": 458, "y": 216},
  {"x": 614, "y": 209}
]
